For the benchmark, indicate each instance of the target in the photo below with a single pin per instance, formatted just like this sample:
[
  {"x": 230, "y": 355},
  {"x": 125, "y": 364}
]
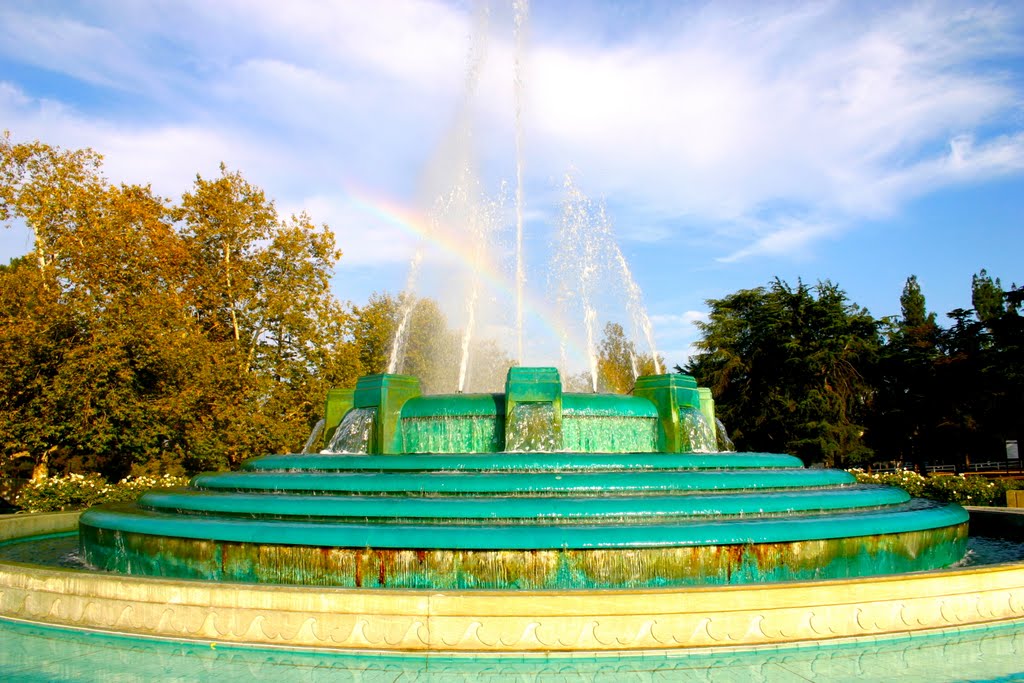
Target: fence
[{"x": 1008, "y": 466}]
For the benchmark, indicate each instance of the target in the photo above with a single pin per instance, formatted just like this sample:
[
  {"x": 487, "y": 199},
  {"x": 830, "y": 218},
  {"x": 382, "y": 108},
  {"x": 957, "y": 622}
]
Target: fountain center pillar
[
  {"x": 533, "y": 409},
  {"x": 386, "y": 394},
  {"x": 670, "y": 394}
]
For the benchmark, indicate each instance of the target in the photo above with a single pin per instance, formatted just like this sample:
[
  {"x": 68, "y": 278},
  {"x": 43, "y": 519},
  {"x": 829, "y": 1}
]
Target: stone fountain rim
[{"x": 495, "y": 623}]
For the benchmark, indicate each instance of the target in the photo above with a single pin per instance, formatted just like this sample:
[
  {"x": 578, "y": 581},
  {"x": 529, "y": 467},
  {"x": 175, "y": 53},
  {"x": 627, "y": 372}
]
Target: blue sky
[{"x": 729, "y": 142}]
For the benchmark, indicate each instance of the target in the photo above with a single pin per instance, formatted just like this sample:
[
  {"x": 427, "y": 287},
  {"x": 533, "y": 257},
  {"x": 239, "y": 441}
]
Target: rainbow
[{"x": 416, "y": 225}]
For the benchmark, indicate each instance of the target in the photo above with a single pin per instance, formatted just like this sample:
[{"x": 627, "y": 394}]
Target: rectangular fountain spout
[
  {"x": 669, "y": 394},
  {"x": 533, "y": 409},
  {"x": 707, "y": 404},
  {"x": 387, "y": 394}
]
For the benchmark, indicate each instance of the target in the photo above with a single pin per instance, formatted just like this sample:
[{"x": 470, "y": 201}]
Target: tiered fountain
[
  {"x": 528, "y": 522},
  {"x": 533, "y": 489}
]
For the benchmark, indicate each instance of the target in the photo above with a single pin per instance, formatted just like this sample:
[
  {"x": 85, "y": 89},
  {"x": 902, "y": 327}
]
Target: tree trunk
[{"x": 41, "y": 470}]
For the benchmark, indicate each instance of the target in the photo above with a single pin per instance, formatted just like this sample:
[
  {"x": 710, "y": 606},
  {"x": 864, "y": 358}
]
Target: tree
[
  {"x": 34, "y": 330},
  {"x": 987, "y": 297},
  {"x": 144, "y": 335},
  {"x": 912, "y": 306},
  {"x": 259, "y": 289},
  {"x": 433, "y": 352},
  {"x": 979, "y": 378},
  {"x": 907, "y": 392},
  {"x": 373, "y": 328},
  {"x": 788, "y": 369},
  {"x": 99, "y": 297},
  {"x": 618, "y": 363}
]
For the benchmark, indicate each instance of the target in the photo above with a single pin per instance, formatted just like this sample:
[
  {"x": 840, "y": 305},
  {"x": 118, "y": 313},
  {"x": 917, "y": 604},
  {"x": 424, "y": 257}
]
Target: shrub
[
  {"x": 965, "y": 490},
  {"x": 77, "y": 491},
  {"x": 961, "y": 488},
  {"x": 908, "y": 480}
]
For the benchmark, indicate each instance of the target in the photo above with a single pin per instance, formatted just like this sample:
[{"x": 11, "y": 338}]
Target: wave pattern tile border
[{"x": 505, "y": 622}]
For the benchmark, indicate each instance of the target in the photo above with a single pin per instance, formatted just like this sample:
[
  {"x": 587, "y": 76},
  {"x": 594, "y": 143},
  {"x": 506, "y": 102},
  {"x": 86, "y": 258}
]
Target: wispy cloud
[
  {"x": 677, "y": 333},
  {"x": 774, "y": 126},
  {"x": 838, "y": 114},
  {"x": 784, "y": 236}
]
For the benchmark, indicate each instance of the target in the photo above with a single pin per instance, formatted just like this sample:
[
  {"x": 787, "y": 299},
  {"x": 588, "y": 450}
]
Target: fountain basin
[
  {"x": 506, "y": 622},
  {"x": 524, "y": 521},
  {"x": 533, "y": 548}
]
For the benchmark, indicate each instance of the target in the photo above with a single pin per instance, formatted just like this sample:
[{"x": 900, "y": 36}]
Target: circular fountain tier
[{"x": 524, "y": 521}]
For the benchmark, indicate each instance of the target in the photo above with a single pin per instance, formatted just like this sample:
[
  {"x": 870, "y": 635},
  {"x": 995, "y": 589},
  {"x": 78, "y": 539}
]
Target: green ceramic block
[
  {"x": 533, "y": 409},
  {"x": 669, "y": 393},
  {"x": 707, "y": 405},
  {"x": 387, "y": 394},
  {"x": 339, "y": 402}
]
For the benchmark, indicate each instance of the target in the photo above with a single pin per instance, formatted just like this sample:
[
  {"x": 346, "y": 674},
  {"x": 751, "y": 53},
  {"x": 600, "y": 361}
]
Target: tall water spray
[
  {"x": 405, "y": 313},
  {"x": 635, "y": 306},
  {"x": 589, "y": 262},
  {"x": 462, "y": 137},
  {"x": 576, "y": 266},
  {"x": 480, "y": 217},
  {"x": 520, "y": 9}
]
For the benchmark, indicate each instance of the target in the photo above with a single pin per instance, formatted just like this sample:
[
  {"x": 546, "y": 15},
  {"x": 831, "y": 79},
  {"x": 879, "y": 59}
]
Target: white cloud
[
  {"x": 827, "y": 111},
  {"x": 58, "y": 43},
  {"x": 165, "y": 156},
  {"x": 417, "y": 42},
  {"x": 964, "y": 161},
  {"x": 783, "y": 237},
  {"x": 365, "y": 236},
  {"x": 775, "y": 128}
]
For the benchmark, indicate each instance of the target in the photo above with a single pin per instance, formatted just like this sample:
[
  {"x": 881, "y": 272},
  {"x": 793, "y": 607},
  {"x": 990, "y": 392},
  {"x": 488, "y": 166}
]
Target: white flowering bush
[
  {"x": 78, "y": 491},
  {"x": 959, "y": 488},
  {"x": 908, "y": 480}
]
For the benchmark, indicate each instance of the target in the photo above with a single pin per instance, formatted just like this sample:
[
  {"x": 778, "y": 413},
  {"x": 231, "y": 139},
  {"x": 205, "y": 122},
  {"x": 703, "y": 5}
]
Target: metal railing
[{"x": 1009, "y": 466}]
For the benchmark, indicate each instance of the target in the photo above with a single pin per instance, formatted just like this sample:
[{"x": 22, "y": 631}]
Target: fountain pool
[
  {"x": 439, "y": 550},
  {"x": 541, "y": 551}
]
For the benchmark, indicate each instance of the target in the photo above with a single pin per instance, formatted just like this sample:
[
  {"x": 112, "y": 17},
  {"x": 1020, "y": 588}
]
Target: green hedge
[
  {"x": 969, "y": 489},
  {"x": 78, "y": 491}
]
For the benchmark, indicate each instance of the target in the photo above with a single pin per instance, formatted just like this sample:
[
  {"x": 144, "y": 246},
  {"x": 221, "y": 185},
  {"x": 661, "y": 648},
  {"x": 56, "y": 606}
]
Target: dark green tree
[
  {"x": 987, "y": 297},
  {"x": 915, "y": 314},
  {"x": 905, "y": 382},
  {"x": 788, "y": 367}
]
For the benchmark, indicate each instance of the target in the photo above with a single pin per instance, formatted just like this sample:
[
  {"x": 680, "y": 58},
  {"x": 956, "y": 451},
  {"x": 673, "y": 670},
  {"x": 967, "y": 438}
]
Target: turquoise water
[{"x": 36, "y": 653}]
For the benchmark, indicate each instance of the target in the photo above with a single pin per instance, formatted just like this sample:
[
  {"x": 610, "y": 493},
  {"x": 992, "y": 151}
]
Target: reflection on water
[
  {"x": 984, "y": 550},
  {"x": 35, "y": 653}
]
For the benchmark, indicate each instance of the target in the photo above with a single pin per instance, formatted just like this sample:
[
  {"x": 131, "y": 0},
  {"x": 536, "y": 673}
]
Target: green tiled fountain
[{"x": 531, "y": 489}]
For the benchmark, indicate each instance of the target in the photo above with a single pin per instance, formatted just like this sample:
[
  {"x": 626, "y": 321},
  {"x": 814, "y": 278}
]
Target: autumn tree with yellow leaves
[{"x": 142, "y": 334}]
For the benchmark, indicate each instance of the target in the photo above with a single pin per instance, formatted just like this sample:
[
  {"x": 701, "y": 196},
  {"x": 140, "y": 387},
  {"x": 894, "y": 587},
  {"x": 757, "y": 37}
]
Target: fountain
[
  {"x": 531, "y": 489},
  {"x": 533, "y": 520},
  {"x": 530, "y": 521}
]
